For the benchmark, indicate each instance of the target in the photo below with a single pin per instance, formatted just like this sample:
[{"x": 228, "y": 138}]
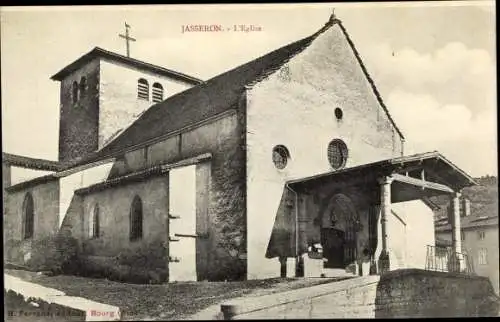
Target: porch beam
[
  {"x": 408, "y": 168},
  {"x": 421, "y": 183}
]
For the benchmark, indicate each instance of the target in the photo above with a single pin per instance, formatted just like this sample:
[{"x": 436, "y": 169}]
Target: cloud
[
  {"x": 453, "y": 74},
  {"x": 452, "y": 129},
  {"x": 443, "y": 100}
]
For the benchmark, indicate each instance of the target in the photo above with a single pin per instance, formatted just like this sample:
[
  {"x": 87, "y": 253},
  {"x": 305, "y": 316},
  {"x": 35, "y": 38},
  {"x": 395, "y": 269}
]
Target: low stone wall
[
  {"x": 421, "y": 293},
  {"x": 351, "y": 298}
]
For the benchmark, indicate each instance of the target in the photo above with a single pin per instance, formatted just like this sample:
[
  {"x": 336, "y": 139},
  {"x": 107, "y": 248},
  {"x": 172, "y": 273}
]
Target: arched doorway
[{"x": 339, "y": 232}]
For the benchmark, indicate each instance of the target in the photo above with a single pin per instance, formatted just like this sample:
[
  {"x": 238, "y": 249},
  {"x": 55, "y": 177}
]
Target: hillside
[{"x": 483, "y": 198}]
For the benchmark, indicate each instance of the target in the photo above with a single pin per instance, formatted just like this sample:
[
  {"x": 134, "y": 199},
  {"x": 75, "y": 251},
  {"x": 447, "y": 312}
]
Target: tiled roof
[
  {"x": 31, "y": 163},
  {"x": 468, "y": 222},
  {"x": 455, "y": 177},
  {"x": 102, "y": 53},
  {"x": 32, "y": 183},
  {"x": 213, "y": 97}
]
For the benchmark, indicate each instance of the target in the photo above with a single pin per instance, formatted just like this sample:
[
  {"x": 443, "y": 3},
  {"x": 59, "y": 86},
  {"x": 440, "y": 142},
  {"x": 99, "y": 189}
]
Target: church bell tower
[{"x": 103, "y": 92}]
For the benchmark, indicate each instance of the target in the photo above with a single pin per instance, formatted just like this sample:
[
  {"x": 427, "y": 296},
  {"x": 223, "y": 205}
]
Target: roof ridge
[{"x": 113, "y": 55}]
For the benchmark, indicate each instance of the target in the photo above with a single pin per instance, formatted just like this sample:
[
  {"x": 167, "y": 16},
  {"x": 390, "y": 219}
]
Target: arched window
[
  {"x": 157, "y": 93},
  {"x": 143, "y": 89},
  {"x": 74, "y": 92},
  {"x": 280, "y": 156},
  {"x": 28, "y": 217},
  {"x": 83, "y": 86},
  {"x": 136, "y": 219},
  {"x": 94, "y": 223}
]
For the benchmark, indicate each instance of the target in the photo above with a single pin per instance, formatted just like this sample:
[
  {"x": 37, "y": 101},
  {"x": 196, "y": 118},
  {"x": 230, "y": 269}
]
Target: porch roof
[{"x": 437, "y": 169}]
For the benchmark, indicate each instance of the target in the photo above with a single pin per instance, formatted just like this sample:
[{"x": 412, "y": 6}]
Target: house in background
[
  {"x": 288, "y": 165},
  {"x": 479, "y": 234}
]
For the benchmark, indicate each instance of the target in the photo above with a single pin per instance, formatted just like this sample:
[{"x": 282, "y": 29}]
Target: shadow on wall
[{"x": 420, "y": 293}]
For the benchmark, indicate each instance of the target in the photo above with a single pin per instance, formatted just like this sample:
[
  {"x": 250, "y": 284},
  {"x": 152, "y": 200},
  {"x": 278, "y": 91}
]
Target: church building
[{"x": 288, "y": 165}]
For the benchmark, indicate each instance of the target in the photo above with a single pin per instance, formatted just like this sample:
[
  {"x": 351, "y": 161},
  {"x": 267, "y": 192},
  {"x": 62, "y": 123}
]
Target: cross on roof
[
  {"x": 332, "y": 16},
  {"x": 127, "y": 38}
]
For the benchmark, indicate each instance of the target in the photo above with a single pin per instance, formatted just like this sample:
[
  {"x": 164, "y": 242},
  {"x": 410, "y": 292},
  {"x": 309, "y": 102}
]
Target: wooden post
[{"x": 385, "y": 212}]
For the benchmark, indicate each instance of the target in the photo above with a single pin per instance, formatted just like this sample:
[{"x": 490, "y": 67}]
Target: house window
[
  {"x": 280, "y": 156},
  {"x": 136, "y": 219},
  {"x": 483, "y": 256},
  {"x": 462, "y": 235},
  {"x": 481, "y": 235},
  {"x": 157, "y": 93},
  {"x": 94, "y": 223},
  {"x": 74, "y": 92},
  {"x": 143, "y": 89},
  {"x": 337, "y": 154},
  {"x": 28, "y": 217},
  {"x": 83, "y": 86}
]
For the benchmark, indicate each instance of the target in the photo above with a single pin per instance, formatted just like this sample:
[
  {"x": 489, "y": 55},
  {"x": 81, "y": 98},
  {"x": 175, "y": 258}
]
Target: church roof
[
  {"x": 30, "y": 163},
  {"x": 213, "y": 97},
  {"x": 102, "y": 53}
]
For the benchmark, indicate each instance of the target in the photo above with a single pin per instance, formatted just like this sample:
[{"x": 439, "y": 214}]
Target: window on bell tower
[
  {"x": 157, "y": 93},
  {"x": 143, "y": 89}
]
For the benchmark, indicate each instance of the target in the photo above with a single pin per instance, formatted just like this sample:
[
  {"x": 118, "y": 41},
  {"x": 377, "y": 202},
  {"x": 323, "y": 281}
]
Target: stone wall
[
  {"x": 114, "y": 215},
  {"x": 79, "y": 121},
  {"x": 220, "y": 197},
  {"x": 295, "y": 107},
  {"x": 46, "y": 210},
  {"x": 352, "y": 298},
  {"x": 46, "y": 218},
  {"x": 420, "y": 293}
]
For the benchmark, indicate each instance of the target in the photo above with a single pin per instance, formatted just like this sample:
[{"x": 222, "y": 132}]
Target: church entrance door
[
  {"x": 333, "y": 241},
  {"x": 338, "y": 232}
]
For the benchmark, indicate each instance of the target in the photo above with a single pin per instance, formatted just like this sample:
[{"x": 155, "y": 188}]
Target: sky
[{"x": 434, "y": 63}]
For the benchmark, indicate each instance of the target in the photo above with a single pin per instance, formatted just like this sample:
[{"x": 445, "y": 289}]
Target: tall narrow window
[
  {"x": 94, "y": 223},
  {"x": 83, "y": 86},
  {"x": 143, "y": 89},
  {"x": 157, "y": 92},
  {"x": 136, "y": 219},
  {"x": 483, "y": 256},
  {"x": 74, "y": 92},
  {"x": 28, "y": 217}
]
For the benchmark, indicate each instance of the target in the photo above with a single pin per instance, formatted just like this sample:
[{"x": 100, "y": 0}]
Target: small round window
[
  {"x": 337, "y": 154},
  {"x": 338, "y": 113},
  {"x": 280, "y": 156}
]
